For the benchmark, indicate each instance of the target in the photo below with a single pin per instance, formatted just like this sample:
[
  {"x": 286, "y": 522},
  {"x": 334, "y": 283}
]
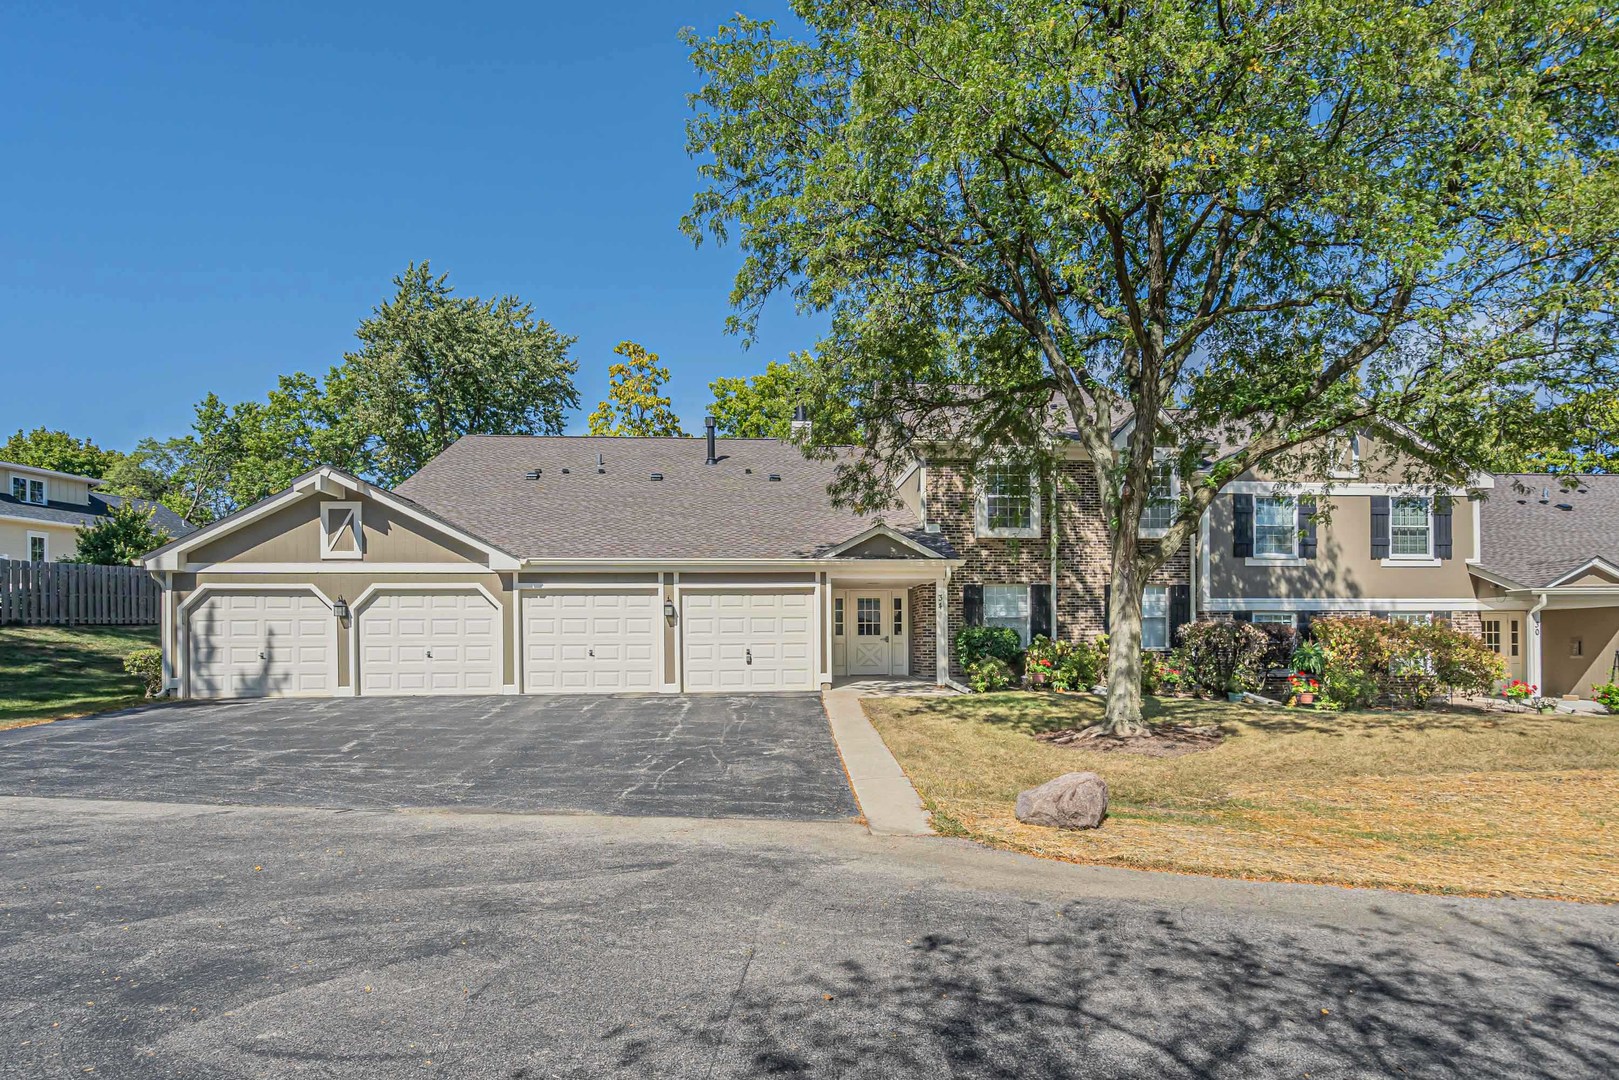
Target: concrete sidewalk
[{"x": 890, "y": 804}]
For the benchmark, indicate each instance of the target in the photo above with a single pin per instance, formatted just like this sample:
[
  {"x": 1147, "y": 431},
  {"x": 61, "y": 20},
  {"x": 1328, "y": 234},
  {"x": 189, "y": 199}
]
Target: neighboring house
[
  {"x": 41, "y": 511},
  {"x": 517, "y": 564}
]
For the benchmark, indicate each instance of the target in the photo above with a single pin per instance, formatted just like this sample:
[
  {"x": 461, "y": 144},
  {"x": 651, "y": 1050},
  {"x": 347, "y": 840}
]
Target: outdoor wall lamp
[
  {"x": 669, "y": 610},
  {"x": 341, "y": 609}
]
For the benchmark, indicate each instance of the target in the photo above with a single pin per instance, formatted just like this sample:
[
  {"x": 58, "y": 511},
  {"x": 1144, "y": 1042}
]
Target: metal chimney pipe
[{"x": 708, "y": 426}]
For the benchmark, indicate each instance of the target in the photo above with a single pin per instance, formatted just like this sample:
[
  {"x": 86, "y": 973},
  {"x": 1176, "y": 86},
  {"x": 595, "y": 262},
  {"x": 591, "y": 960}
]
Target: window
[
  {"x": 1576, "y": 647},
  {"x": 1281, "y": 618},
  {"x": 1160, "y": 510},
  {"x": 1276, "y": 528},
  {"x": 899, "y": 617},
  {"x": 30, "y": 491},
  {"x": 1155, "y": 617},
  {"x": 868, "y": 616},
  {"x": 1008, "y": 605},
  {"x": 1008, "y": 503},
  {"x": 1410, "y": 529},
  {"x": 38, "y": 547},
  {"x": 340, "y": 534},
  {"x": 1514, "y": 637},
  {"x": 837, "y": 616},
  {"x": 1492, "y": 635},
  {"x": 1415, "y": 618}
]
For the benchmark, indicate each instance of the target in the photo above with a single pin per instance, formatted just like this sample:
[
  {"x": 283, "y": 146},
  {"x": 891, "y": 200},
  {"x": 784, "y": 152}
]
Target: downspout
[
  {"x": 1055, "y": 525},
  {"x": 1535, "y": 673}
]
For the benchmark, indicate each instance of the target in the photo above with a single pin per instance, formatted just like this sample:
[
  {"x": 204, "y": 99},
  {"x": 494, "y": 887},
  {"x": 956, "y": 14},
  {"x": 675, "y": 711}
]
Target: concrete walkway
[{"x": 890, "y": 804}]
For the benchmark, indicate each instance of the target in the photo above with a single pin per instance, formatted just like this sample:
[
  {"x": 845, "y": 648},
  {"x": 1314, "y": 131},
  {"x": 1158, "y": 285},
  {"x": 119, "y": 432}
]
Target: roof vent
[
  {"x": 775, "y": 478},
  {"x": 532, "y": 474},
  {"x": 657, "y": 476},
  {"x": 1564, "y": 506},
  {"x": 748, "y": 471},
  {"x": 1545, "y": 495},
  {"x": 564, "y": 472},
  {"x": 601, "y": 463}
]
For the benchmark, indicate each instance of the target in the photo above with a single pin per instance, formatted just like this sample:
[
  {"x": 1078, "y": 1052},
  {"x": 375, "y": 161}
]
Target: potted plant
[
  {"x": 1303, "y": 687},
  {"x": 1518, "y": 692}
]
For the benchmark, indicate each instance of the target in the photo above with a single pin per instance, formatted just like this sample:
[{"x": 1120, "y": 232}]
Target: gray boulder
[{"x": 1076, "y": 800}]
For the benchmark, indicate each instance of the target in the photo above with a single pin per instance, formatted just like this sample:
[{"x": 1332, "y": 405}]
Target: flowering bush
[
  {"x": 1607, "y": 695},
  {"x": 1062, "y": 665},
  {"x": 1518, "y": 691},
  {"x": 1302, "y": 683}
]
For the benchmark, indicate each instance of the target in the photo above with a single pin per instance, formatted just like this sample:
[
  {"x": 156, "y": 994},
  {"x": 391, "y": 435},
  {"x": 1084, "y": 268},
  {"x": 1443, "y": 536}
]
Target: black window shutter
[
  {"x": 1180, "y": 609},
  {"x": 1306, "y": 528},
  {"x": 1443, "y": 544},
  {"x": 1242, "y": 526},
  {"x": 1380, "y": 526},
  {"x": 1040, "y": 611},
  {"x": 1107, "y": 608},
  {"x": 972, "y": 605},
  {"x": 1243, "y": 616}
]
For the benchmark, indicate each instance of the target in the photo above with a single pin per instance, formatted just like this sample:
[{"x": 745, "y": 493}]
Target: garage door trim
[
  {"x": 357, "y": 605},
  {"x": 203, "y": 592},
  {"x": 683, "y": 591}
]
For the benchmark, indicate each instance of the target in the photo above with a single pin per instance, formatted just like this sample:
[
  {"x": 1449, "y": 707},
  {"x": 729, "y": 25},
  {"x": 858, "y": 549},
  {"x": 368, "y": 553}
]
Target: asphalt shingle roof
[
  {"x": 697, "y": 511},
  {"x": 1534, "y": 543},
  {"x": 62, "y": 513}
]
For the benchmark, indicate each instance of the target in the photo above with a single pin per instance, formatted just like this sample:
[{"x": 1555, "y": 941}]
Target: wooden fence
[{"x": 75, "y": 594}]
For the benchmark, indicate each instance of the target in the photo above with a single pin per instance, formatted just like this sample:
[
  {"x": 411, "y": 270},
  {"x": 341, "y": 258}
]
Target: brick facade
[{"x": 924, "y": 648}]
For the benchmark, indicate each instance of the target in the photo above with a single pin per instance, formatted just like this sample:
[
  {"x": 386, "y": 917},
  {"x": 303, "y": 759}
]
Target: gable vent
[{"x": 657, "y": 476}]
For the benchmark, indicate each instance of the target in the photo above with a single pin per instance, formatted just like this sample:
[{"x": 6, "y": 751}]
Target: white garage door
[
  {"x": 590, "y": 642},
  {"x": 274, "y": 644},
  {"x": 430, "y": 643},
  {"x": 749, "y": 641}
]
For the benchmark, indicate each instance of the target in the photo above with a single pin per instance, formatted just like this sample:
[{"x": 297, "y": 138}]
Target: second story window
[
  {"x": 1159, "y": 513},
  {"x": 1276, "y": 533},
  {"x": 1410, "y": 529},
  {"x": 1008, "y": 502},
  {"x": 26, "y": 490}
]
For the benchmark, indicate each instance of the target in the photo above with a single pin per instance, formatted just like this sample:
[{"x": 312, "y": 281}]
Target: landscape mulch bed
[{"x": 1165, "y": 740}]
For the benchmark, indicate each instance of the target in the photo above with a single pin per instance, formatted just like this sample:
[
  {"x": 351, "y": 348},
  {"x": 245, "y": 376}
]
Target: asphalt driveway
[{"x": 765, "y": 755}]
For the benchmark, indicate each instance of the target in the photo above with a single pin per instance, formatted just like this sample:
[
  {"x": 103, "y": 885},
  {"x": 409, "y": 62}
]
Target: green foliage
[
  {"x": 1223, "y": 656},
  {"x": 989, "y": 674},
  {"x": 120, "y": 537},
  {"x": 431, "y": 368},
  {"x": 635, "y": 403},
  {"x": 1368, "y": 660},
  {"x": 760, "y": 407},
  {"x": 46, "y": 449},
  {"x": 1281, "y": 641},
  {"x": 147, "y": 665},
  {"x": 1310, "y": 658},
  {"x": 1577, "y": 435},
  {"x": 1281, "y": 221},
  {"x": 1607, "y": 695},
  {"x": 186, "y": 474},
  {"x": 974, "y": 643},
  {"x": 1064, "y": 665}
]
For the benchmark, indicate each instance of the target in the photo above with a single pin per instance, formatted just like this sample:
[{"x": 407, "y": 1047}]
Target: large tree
[
  {"x": 433, "y": 366},
  {"x": 760, "y": 407},
  {"x": 47, "y": 449},
  {"x": 635, "y": 403},
  {"x": 1246, "y": 227}
]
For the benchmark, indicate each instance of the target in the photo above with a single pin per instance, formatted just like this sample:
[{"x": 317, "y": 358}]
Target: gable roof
[
  {"x": 80, "y": 514},
  {"x": 577, "y": 509},
  {"x": 35, "y": 470},
  {"x": 1539, "y": 544}
]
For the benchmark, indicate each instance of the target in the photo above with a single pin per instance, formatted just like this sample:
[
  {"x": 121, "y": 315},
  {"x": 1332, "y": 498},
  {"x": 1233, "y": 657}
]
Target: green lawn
[
  {"x": 52, "y": 672},
  {"x": 1486, "y": 803}
]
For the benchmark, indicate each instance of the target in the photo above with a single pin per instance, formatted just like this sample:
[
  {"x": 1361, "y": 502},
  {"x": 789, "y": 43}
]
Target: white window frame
[
  {"x": 1423, "y": 556},
  {"x": 1292, "y": 553},
  {"x": 1411, "y": 618},
  {"x": 44, "y": 544},
  {"x": 1019, "y": 621},
  {"x": 981, "y": 522},
  {"x": 28, "y": 484},
  {"x": 330, "y": 529},
  {"x": 1282, "y": 618},
  {"x": 1147, "y": 596},
  {"x": 1172, "y": 500},
  {"x": 1489, "y": 628}
]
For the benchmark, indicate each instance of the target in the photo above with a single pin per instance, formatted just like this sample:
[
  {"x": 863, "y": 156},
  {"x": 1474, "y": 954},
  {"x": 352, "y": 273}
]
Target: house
[
  {"x": 41, "y": 511},
  {"x": 518, "y": 564}
]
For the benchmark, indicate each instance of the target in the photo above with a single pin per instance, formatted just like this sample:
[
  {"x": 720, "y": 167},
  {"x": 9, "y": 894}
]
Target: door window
[{"x": 868, "y": 616}]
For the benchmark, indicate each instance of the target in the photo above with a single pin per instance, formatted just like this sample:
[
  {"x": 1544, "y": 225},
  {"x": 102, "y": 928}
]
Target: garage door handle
[
  {"x": 590, "y": 652},
  {"x": 430, "y": 654},
  {"x": 263, "y": 657},
  {"x": 750, "y": 655}
]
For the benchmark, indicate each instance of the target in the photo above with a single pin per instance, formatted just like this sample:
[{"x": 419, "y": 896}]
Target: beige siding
[
  {"x": 56, "y": 490},
  {"x": 1343, "y": 566},
  {"x": 63, "y": 539},
  {"x": 1597, "y": 630},
  {"x": 292, "y": 535},
  {"x": 350, "y": 585}
]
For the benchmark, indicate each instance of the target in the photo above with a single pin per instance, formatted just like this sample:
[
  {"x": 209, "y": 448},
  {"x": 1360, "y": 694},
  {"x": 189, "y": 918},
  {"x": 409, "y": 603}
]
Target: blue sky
[{"x": 203, "y": 196}]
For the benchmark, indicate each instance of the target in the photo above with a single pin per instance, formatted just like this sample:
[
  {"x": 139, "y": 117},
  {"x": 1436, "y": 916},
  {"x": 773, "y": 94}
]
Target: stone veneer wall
[{"x": 924, "y": 649}]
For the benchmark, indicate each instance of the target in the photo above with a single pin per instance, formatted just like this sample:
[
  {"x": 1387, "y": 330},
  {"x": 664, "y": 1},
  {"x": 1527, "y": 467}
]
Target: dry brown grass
[{"x": 1493, "y": 804}]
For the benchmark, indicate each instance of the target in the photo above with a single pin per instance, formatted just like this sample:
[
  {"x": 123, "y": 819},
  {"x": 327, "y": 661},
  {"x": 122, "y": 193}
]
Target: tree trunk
[{"x": 1123, "y": 715}]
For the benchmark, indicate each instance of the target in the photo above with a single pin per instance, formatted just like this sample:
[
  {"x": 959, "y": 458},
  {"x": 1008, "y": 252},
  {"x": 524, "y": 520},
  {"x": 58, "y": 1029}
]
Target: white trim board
[
  {"x": 1598, "y": 563},
  {"x": 1356, "y": 603},
  {"x": 1284, "y": 487},
  {"x": 341, "y": 566}
]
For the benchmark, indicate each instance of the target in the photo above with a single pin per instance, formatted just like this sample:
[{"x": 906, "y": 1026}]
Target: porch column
[
  {"x": 823, "y": 629},
  {"x": 941, "y": 629},
  {"x": 168, "y": 637},
  {"x": 1532, "y": 664}
]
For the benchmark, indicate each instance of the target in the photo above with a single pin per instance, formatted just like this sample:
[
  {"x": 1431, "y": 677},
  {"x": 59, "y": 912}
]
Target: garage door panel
[
  {"x": 444, "y": 642},
  {"x": 590, "y": 641},
  {"x": 746, "y": 641},
  {"x": 244, "y": 644}
]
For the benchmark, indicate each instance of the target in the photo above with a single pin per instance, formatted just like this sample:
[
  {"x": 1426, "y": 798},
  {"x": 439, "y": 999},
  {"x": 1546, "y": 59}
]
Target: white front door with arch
[{"x": 871, "y": 632}]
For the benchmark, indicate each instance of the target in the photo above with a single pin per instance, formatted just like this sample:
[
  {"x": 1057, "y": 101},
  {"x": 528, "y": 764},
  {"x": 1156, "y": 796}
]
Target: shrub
[
  {"x": 1153, "y": 672},
  {"x": 1221, "y": 656},
  {"x": 1607, "y": 695},
  {"x": 989, "y": 674},
  {"x": 1367, "y": 660},
  {"x": 975, "y": 643},
  {"x": 147, "y": 664},
  {"x": 1280, "y": 642},
  {"x": 1309, "y": 658}
]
